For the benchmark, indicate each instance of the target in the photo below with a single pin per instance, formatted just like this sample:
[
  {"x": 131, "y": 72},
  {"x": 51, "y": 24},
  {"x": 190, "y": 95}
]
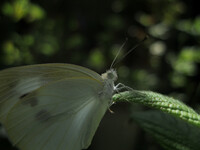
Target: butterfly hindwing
[{"x": 61, "y": 115}]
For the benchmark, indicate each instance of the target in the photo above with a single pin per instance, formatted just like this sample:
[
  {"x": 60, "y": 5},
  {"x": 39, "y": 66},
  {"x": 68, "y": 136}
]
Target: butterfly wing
[
  {"x": 63, "y": 115},
  {"x": 19, "y": 81}
]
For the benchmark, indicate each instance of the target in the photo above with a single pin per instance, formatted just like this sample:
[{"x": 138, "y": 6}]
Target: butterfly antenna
[
  {"x": 118, "y": 52},
  {"x": 137, "y": 45}
]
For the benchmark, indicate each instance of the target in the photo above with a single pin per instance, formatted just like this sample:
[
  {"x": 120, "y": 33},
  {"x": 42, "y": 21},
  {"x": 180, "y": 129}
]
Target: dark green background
[{"x": 90, "y": 32}]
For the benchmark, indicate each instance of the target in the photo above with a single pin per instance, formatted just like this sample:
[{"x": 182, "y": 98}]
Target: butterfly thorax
[{"x": 109, "y": 77}]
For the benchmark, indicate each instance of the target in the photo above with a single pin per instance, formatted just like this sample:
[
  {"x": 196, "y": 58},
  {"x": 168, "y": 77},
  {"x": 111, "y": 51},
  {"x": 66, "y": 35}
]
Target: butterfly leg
[{"x": 120, "y": 87}]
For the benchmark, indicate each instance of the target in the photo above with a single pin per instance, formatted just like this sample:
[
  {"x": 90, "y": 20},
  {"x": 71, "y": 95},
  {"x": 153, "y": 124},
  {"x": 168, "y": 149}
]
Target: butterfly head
[{"x": 110, "y": 75}]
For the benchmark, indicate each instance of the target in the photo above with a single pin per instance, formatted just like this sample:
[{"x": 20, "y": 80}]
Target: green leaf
[
  {"x": 161, "y": 102},
  {"x": 172, "y": 133}
]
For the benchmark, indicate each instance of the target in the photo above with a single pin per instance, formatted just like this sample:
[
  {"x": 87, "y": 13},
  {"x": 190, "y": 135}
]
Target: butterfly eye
[{"x": 111, "y": 74}]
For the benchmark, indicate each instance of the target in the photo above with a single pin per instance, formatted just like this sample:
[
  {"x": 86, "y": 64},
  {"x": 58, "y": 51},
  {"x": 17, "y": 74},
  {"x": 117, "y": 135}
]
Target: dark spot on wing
[
  {"x": 24, "y": 95},
  {"x": 43, "y": 115}
]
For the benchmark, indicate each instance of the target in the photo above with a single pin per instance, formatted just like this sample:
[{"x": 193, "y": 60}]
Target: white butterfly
[{"x": 54, "y": 106}]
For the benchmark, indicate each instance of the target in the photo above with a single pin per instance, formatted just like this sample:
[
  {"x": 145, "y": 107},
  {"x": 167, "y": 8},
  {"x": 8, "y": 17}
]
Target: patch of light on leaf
[
  {"x": 157, "y": 48},
  {"x": 185, "y": 62},
  {"x": 11, "y": 53},
  {"x": 96, "y": 59},
  {"x": 178, "y": 80},
  {"x": 190, "y": 54},
  {"x": 28, "y": 40},
  {"x": 189, "y": 26},
  {"x": 159, "y": 30},
  {"x": 20, "y": 9},
  {"x": 49, "y": 46},
  {"x": 144, "y": 19},
  {"x": 28, "y": 57},
  {"x": 7, "y": 9},
  {"x": 184, "y": 25},
  {"x": 196, "y": 25},
  {"x": 184, "y": 67},
  {"x": 35, "y": 13},
  {"x": 46, "y": 49},
  {"x": 173, "y": 11},
  {"x": 16, "y": 9}
]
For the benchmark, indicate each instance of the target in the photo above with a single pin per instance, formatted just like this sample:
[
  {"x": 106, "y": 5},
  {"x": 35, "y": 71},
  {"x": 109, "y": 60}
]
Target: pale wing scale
[{"x": 68, "y": 125}]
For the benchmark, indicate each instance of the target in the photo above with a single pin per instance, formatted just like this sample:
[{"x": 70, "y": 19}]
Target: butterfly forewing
[{"x": 16, "y": 83}]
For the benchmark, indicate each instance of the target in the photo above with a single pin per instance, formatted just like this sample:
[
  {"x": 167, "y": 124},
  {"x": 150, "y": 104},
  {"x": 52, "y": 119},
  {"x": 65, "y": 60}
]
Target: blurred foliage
[
  {"x": 19, "y": 9},
  {"x": 89, "y": 33},
  {"x": 164, "y": 129}
]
